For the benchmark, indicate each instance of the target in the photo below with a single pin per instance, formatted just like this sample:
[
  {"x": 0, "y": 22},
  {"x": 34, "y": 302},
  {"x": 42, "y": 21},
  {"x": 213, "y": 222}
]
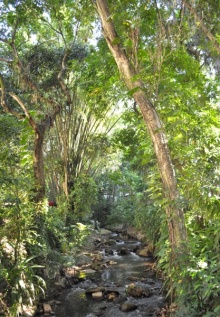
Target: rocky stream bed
[{"x": 112, "y": 277}]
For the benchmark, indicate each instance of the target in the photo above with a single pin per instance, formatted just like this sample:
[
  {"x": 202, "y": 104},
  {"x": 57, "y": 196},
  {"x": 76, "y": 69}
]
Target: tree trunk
[
  {"x": 39, "y": 164},
  {"x": 175, "y": 216}
]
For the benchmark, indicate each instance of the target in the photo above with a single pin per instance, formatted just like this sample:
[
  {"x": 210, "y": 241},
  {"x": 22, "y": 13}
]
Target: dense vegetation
[{"x": 110, "y": 111}]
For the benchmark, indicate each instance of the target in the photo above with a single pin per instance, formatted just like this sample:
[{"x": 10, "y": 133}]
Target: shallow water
[{"x": 75, "y": 303}]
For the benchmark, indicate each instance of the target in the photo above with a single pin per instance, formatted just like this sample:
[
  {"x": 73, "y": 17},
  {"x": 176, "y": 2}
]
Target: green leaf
[
  {"x": 128, "y": 43},
  {"x": 133, "y": 90},
  {"x": 116, "y": 41}
]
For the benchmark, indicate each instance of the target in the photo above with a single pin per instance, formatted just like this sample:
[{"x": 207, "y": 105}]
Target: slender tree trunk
[
  {"x": 39, "y": 165},
  {"x": 175, "y": 216}
]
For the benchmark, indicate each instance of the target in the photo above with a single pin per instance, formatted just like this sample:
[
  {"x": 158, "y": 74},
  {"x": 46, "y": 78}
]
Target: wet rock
[
  {"x": 111, "y": 242},
  {"x": 136, "y": 290},
  {"x": 54, "y": 302},
  {"x": 111, "y": 294},
  {"x": 127, "y": 306},
  {"x": 146, "y": 251},
  {"x": 150, "y": 273},
  {"x": 97, "y": 295},
  {"x": 96, "y": 266},
  {"x": 105, "y": 231},
  {"x": 102, "y": 306},
  {"x": 97, "y": 241},
  {"x": 98, "y": 257},
  {"x": 47, "y": 309},
  {"x": 95, "y": 290},
  {"x": 117, "y": 228},
  {"x": 150, "y": 281},
  {"x": 88, "y": 271},
  {"x": 133, "y": 278},
  {"x": 62, "y": 282},
  {"x": 87, "y": 284},
  {"x": 97, "y": 261},
  {"x": 83, "y": 259},
  {"x": 143, "y": 252},
  {"x": 109, "y": 252},
  {"x": 134, "y": 233},
  {"x": 124, "y": 251},
  {"x": 135, "y": 248},
  {"x": 152, "y": 312},
  {"x": 120, "y": 299},
  {"x": 100, "y": 310},
  {"x": 111, "y": 290},
  {"x": 151, "y": 303},
  {"x": 119, "y": 241}
]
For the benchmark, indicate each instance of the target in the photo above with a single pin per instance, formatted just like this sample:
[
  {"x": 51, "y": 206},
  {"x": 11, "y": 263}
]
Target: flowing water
[{"x": 115, "y": 277}]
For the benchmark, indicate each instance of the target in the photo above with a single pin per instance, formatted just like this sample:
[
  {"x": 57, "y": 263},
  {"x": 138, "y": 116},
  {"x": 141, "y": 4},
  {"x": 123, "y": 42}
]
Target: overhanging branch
[{"x": 23, "y": 107}]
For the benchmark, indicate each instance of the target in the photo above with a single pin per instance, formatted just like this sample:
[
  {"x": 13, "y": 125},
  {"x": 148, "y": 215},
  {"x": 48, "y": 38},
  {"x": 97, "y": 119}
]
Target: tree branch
[
  {"x": 4, "y": 104},
  {"x": 14, "y": 31},
  {"x": 205, "y": 30},
  {"x": 27, "y": 114},
  {"x": 4, "y": 60},
  {"x": 28, "y": 81},
  {"x": 3, "y": 40}
]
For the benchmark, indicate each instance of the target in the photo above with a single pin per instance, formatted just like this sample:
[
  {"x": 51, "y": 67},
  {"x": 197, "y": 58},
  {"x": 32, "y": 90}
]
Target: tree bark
[{"x": 175, "y": 216}]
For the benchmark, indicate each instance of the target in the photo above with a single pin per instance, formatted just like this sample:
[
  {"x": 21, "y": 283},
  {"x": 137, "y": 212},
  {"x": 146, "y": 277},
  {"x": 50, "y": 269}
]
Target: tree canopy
[{"x": 102, "y": 100}]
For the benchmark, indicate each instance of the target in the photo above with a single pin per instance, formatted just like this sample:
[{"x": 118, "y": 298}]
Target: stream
[{"x": 124, "y": 284}]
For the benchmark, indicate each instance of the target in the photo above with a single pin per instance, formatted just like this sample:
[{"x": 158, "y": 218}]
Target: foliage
[
  {"x": 84, "y": 197},
  {"x": 24, "y": 285},
  {"x": 79, "y": 234},
  {"x": 148, "y": 218},
  {"x": 122, "y": 212},
  {"x": 197, "y": 276}
]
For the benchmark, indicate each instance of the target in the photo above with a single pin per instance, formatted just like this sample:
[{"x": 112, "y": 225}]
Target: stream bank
[{"x": 114, "y": 276}]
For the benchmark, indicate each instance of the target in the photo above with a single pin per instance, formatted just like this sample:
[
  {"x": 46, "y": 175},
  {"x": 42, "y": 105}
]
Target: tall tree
[
  {"x": 129, "y": 73},
  {"x": 39, "y": 132},
  {"x": 21, "y": 94}
]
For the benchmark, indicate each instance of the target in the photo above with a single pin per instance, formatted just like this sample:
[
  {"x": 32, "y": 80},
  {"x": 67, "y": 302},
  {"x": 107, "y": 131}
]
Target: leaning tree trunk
[{"x": 175, "y": 216}]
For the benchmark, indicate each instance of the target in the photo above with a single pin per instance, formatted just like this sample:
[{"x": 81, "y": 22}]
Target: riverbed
[{"x": 123, "y": 285}]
